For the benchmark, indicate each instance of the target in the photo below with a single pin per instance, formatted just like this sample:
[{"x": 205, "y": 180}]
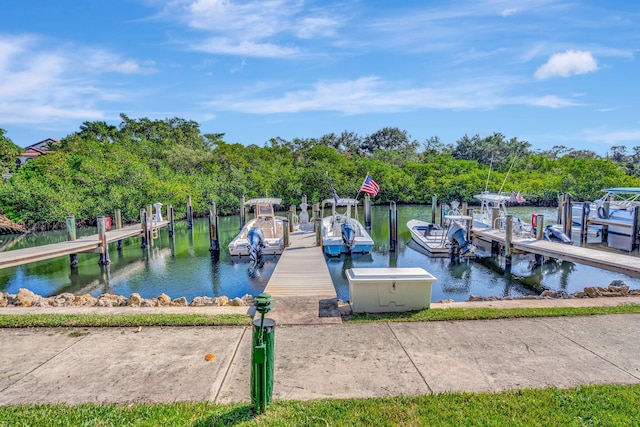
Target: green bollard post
[{"x": 262, "y": 355}]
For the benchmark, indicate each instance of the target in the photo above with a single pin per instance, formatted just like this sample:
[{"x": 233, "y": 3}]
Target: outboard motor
[
  {"x": 348, "y": 235},
  {"x": 554, "y": 235},
  {"x": 256, "y": 243},
  {"x": 457, "y": 234}
]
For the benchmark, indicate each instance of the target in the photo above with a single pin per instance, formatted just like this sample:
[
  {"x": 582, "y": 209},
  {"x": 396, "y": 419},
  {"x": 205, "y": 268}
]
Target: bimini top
[
  {"x": 341, "y": 202},
  {"x": 263, "y": 201},
  {"x": 492, "y": 197},
  {"x": 629, "y": 194}
]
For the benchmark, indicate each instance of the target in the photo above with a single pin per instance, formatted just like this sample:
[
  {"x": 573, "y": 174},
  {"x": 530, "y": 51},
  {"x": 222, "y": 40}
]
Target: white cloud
[
  {"x": 567, "y": 64},
  {"x": 42, "y": 82},
  {"x": 259, "y": 28},
  {"x": 227, "y": 46},
  {"x": 375, "y": 95},
  {"x": 614, "y": 137}
]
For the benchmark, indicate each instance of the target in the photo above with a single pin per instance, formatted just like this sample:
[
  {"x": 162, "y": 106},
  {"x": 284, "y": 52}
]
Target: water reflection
[{"x": 183, "y": 266}]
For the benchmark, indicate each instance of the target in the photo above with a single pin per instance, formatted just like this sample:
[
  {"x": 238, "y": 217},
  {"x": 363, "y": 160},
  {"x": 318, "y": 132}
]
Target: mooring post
[
  {"x": 118, "y": 219},
  {"x": 560, "y": 206},
  {"x": 189, "y": 213},
  {"x": 539, "y": 227},
  {"x": 214, "y": 246},
  {"x": 634, "y": 229},
  {"x": 316, "y": 216},
  {"x": 393, "y": 226},
  {"x": 143, "y": 224},
  {"x": 508, "y": 237},
  {"x": 171, "y": 219},
  {"x": 434, "y": 206},
  {"x": 285, "y": 232},
  {"x": 317, "y": 225},
  {"x": 495, "y": 215},
  {"x": 584, "y": 222},
  {"x": 102, "y": 236},
  {"x": 566, "y": 223},
  {"x": 292, "y": 215},
  {"x": 469, "y": 212},
  {"x": 367, "y": 211},
  {"x": 71, "y": 236},
  {"x": 605, "y": 227},
  {"x": 243, "y": 212}
]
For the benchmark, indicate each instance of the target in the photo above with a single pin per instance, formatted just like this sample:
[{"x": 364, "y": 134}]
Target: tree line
[{"x": 102, "y": 167}]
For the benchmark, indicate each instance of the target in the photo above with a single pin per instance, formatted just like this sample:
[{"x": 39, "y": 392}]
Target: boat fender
[
  {"x": 534, "y": 220},
  {"x": 601, "y": 213},
  {"x": 586, "y": 209}
]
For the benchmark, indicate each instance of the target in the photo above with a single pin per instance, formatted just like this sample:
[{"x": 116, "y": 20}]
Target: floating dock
[{"x": 85, "y": 244}]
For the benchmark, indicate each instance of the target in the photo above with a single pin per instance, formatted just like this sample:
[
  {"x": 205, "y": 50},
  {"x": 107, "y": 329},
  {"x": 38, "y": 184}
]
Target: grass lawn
[{"x": 598, "y": 405}]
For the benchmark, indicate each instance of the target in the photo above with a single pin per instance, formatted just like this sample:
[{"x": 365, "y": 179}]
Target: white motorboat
[
  {"x": 618, "y": 216},
  {"x": 342, "y": 233},
  {"x": 493, "y": 213},
  {"x": 449, "y": 240},
  {"x": 262, "y": 235}
]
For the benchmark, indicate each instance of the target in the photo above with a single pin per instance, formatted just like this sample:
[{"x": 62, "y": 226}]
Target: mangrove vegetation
[{"x": 102, "y": 167}]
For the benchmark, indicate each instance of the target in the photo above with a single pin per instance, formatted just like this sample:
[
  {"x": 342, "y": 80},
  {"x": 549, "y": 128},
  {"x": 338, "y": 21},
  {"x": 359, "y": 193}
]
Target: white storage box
[{"x": 376, "y": 290}]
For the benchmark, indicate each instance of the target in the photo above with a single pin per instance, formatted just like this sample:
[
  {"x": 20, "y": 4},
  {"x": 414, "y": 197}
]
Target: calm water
[{"x": 183, "y": 266}]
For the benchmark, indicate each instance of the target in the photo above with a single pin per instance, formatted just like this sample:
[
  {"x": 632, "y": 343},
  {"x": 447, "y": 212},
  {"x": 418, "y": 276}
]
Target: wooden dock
[
  {"x": 612, "y": 261},
  {"x": 301, "y": 284},
  {"x": 301, "y": 270},
  {"x": 81, "y": 245}
]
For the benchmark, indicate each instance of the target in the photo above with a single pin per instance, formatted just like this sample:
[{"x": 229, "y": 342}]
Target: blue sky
[{"x": 545, "y": 71}]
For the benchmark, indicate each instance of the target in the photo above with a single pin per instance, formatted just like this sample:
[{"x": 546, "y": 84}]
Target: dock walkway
[
  {"x": 81, "y": 245},
  {"x": 618, "y": 262},
  {"x": 301, "y": 283}
]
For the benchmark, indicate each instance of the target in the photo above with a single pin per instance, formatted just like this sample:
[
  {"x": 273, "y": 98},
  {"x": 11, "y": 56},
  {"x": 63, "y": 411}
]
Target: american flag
[{"x": 370, "y": 186}]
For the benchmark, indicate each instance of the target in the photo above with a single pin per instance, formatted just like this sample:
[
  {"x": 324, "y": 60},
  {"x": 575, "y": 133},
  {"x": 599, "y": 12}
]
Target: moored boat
[
  {"x": 342, "y": 233},
  {"x": 262, "y": 235}
]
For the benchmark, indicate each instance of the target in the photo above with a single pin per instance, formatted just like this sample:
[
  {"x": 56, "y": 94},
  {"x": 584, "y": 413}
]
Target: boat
[
  {"x": 262, "y": 235},
  {"x": 447, "y": 240},
  {"x": 342, "y": 233},
  {"x": 615, "y": 209},
  {"x": 493, "y": 213}
]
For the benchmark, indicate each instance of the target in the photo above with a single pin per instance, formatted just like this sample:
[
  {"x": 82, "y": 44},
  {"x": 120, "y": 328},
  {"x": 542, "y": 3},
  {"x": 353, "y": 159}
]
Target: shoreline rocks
[
  {"x": 26, "y": 298},
  {"x": 617, "y": 288}
]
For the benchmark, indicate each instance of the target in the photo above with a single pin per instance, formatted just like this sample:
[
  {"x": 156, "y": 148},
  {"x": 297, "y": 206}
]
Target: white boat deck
[{"x": 301, "y": 269}]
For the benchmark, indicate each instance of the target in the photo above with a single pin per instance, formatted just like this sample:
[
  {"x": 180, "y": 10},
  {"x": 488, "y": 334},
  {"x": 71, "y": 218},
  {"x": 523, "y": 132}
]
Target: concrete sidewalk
[{"x": 167, "y": 364}]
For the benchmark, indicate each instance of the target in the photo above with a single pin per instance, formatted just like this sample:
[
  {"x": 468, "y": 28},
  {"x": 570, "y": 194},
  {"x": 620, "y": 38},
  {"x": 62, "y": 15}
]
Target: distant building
[{"x": 35, "y": 150}]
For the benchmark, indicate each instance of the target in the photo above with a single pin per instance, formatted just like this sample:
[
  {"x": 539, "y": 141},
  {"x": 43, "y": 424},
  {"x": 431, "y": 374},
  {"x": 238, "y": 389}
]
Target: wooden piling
[
  {"x": 393, "y": 226},
  {"x": 285, "y": 232},
  {"x": 635, "y": 227},
  {"x": 143, "y": 224},
  {"x": 189, "y": 213},
  {"x": 560, "y": 207},
  {"x": 495, "y": 214},
  {"x": 317, "y": 225},
  {"x": 292, "y": 215},
  {"x": 434, "y": 207},
  {"x": 214, "y": 246},
  {"x": 566, "y": 223},
  {"x": 469, "y": 212},
  {"x": 540, "y": 227},
  {"x": 171, "y": 218},
  {"x": 102, "y": 236},
  {"x": 508, "y": 238},
  {"x": 118, "y": 225},
  {"x": 71, "y": 236},
  {"x": 584, "y": 222},
  {"x": 367, "y": 211},
  {"x": 243, "y": 212}
]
